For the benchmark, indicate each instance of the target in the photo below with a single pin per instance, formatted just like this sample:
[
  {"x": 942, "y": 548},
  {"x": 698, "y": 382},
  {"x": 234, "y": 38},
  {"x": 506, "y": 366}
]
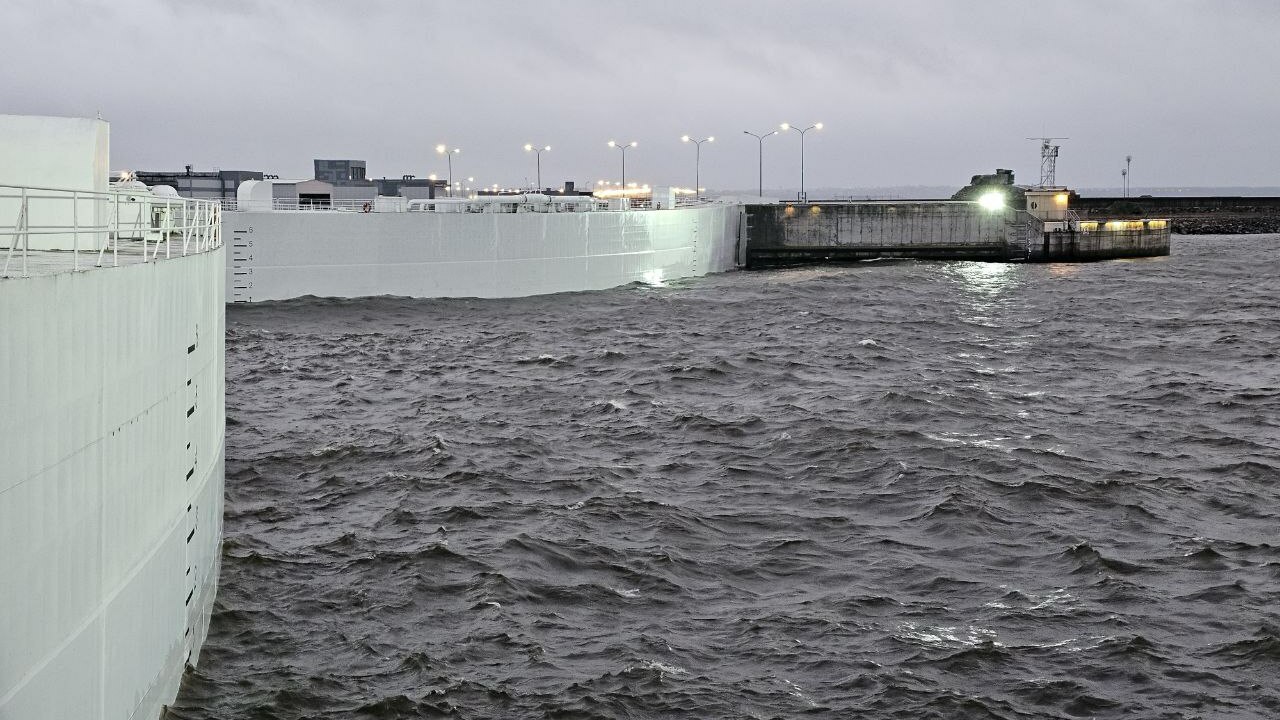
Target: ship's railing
[
  {"x": 91, "y": 225},
  {"x": 482, "y": 204}
]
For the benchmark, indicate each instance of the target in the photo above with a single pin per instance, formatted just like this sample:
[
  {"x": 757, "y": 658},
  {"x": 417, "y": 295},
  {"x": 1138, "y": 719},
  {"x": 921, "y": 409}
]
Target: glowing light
[
  {"x": 784, "y": 126},
  {"x": 1060, "y": 198},
  {"x": 440, "y": 149},
  {"x": 684, "y": 138},
  {"x": 818, "y": 126},
  {"x": 431, "y": 177},
  {"x": 992, "y": 201}
]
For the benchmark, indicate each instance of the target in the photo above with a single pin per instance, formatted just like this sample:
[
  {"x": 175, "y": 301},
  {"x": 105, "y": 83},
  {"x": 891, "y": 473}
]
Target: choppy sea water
[{"x": 888, "y": 490}]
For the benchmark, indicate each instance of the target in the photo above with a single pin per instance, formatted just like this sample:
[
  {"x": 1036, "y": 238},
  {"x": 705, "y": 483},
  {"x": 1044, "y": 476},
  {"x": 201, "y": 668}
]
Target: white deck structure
[{"x": 111, "y": 430}]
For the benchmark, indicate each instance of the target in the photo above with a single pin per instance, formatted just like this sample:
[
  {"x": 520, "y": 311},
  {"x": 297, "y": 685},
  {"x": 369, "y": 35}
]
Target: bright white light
[
  {"x": 440, "y": 149},
  {"x": 684, "y": 138},
  {"x": 818, "y": 126},
  {"x": 785, "y": 126},
  {"x": 992, "y": 201}
]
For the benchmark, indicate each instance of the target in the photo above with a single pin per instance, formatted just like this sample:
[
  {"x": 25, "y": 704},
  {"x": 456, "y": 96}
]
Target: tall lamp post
[
  {"x": 449, "y": 153},
  {"x": 623, "y": 147},
  {"x": 538, "y": 150},
  {"x": 1127, "y": 160},
  {"x": 816, "y": 126},
  {"x": 697, "y": 167},
  {"x": 760, "y": 143}
]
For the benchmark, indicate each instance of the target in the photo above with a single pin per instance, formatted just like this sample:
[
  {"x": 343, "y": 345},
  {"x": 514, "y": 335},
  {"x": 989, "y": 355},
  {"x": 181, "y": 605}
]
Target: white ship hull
[
  {"x": 277, "y": 255},
  {"x": 111, "y": 487}
]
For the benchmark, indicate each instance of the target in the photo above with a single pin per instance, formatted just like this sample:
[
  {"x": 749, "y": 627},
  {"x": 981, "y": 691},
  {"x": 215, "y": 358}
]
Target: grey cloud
[{"x": 912, "y": 92}]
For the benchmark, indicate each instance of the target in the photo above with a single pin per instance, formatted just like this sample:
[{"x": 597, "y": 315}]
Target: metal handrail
[
  {"x": 96, "y": 221},
  {"x": 457, "y": 205}
]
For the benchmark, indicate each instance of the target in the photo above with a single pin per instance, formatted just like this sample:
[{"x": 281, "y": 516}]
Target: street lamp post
[
  {"x": 697, "y": 167},
  {"x": 1127, "y": 159},
  {"x": 623, "y": 147},
  {"x": 449, "y": 153},
  {"x": 816, "y": 126},
  {"x": 760, "y": 143},
  {"x": 528, "y": 147}
]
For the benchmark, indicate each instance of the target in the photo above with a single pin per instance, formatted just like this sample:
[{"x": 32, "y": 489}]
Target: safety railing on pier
[{"x": 92, "y": 226}]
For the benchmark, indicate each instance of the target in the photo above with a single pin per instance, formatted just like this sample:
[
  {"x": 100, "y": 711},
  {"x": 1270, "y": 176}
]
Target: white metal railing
[
  {"x": 95, "y": 222},
  {"x": 482, "y": 204}
]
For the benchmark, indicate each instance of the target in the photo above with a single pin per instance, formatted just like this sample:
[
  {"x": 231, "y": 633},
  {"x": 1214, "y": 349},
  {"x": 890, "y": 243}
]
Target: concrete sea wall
[
  {"x": 783, "y": 234},
  {"x": 111, "y": 488},
  {"x": 281, "y": 255},
  {"x": 1068, "y": 246},
  {"x": 786, "y": 233}
]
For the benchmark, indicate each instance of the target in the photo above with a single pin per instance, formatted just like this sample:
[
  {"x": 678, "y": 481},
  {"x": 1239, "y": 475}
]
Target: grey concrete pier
[{"x": 1046, "y": 231}]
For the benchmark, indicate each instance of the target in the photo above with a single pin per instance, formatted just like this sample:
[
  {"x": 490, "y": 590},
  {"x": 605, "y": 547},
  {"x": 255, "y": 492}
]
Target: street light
[
  {"x": 623, "y": 148},
  {"x": 816, "y": 126},
  {"x": 1127, "y": 159},
  {"x": 444, "y": 150},
  {"x": 538, "y": 150},
  {"x": 697, "y": 168},
  {"x": 760, "y": 142}
]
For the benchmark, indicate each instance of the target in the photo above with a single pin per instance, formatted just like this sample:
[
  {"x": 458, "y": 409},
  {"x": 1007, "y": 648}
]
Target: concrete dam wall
[
  {"x": 790, "y": 233},
  {"x": 794, "y": 233}
]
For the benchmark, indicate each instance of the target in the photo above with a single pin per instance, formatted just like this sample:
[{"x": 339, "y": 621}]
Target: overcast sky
[{"x": 924, "y": 93}]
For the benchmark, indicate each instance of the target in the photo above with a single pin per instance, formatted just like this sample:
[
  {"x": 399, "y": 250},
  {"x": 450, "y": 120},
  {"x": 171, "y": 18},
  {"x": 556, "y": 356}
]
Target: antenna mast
[{"x": 1048, "y": 160}]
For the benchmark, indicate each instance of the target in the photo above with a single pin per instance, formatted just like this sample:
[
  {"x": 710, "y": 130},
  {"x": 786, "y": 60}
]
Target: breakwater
[
  {"x": 1189, "y": 215},
  {"x": 796, "y": 233}
]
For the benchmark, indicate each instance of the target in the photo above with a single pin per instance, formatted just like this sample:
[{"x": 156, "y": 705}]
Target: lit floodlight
[
  {"x": 784, "y": 126},
  {"x": 440, "y": 149},
  {"x": 992, "y": 201}
]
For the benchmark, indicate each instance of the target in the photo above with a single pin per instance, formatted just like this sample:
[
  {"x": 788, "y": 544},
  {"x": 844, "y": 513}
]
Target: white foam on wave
[
  {"x": 661, "y": 668},
  {"x": 576, "y": 506},
  {"x": 795, "y": 691},
  {"x": 631, "y": 593},
  {"x": 947, "y": 636},
  {"x": 868, "y": 342}
]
